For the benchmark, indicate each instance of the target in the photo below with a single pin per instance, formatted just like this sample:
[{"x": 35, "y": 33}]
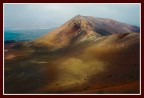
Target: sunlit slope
[{"x": 107, "y": 62}]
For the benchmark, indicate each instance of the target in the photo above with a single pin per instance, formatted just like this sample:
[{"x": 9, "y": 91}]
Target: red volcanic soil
[{"x": 132, "y": 88}]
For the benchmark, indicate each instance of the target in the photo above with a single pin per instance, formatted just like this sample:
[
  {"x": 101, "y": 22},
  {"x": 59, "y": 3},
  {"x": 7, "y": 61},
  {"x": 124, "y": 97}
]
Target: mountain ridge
[{"x": 83, "y": 28}]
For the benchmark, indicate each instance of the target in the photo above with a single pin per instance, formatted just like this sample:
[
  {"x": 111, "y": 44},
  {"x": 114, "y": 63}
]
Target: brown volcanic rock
[
  {"x": 82, "y": 28},
  {"x": 73, "y": 31}
]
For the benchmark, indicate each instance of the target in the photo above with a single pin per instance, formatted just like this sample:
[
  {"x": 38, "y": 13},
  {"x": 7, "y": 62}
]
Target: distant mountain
[{"x": 83, "y": 28}]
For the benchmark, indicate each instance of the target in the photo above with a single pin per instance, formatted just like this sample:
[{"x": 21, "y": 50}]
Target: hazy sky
[{"x": 31, "y": 16}]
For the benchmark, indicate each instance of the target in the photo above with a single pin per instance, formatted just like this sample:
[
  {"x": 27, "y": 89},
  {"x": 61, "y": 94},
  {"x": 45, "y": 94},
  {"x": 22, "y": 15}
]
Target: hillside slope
[{"x": 82, "y": 28}]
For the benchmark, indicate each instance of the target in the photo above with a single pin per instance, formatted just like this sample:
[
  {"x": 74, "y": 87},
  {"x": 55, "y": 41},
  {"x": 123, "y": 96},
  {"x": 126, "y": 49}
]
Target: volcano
[
  {"x": 83, "y": 28},
  {"x": 84, "y": 55}
]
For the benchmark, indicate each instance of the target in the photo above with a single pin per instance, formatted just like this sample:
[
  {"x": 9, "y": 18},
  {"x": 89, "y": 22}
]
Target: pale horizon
[{"x": 45, "y": 16}]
